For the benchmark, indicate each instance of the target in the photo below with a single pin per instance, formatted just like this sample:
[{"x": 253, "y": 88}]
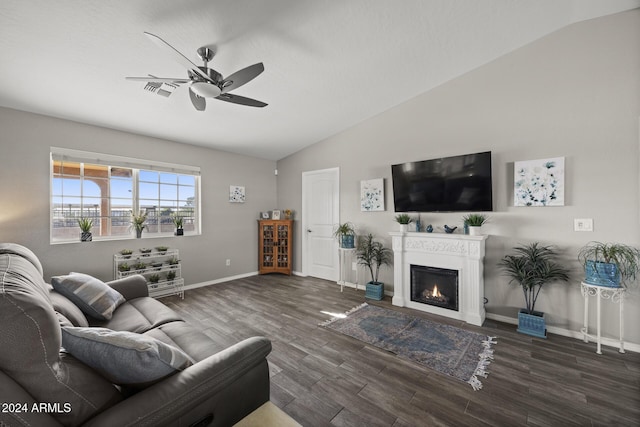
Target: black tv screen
[{"x": 448, "y": 184}]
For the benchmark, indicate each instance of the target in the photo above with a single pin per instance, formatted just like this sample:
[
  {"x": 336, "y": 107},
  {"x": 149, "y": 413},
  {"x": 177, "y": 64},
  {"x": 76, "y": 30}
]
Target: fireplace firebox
[{"x": 434, "y": 286}]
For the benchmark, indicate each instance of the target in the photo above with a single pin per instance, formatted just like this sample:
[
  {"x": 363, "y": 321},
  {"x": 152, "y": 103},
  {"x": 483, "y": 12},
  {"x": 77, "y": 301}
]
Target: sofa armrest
[
  {"x": 227, "y": 386},
  {"x": 134, "y": 286}
]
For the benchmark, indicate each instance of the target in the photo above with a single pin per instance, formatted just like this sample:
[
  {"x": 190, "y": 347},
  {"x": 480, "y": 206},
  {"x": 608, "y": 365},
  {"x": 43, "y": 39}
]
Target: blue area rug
[{"x": 452, "y": 351}]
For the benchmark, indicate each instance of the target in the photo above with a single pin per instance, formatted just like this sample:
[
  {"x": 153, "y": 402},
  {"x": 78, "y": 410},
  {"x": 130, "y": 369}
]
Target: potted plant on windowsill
[
  {"x": 404, "y": 220},
  {"x": 372, "y": 254},
  {"x": 345, "y": 234},
  {"x": 85, "y": 225},
  {"x": 531, "y": 268},
  {"x": 612, "y": 265},
  {"x": 474, "y": 223},
  {"x": 178, "y": 221},
  {"x": 138, "y": 222}
]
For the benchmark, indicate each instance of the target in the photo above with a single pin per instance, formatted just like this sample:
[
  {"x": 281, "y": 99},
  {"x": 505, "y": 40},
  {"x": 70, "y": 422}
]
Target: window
[{"x": 107, "y": 189}]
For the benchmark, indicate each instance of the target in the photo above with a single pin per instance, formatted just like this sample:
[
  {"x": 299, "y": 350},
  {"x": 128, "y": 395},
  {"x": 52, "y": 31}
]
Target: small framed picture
[
  {"x": 236, "y": 194},
  {"x": 265, "y": 215},
  {"x": 275, "y": 214}
]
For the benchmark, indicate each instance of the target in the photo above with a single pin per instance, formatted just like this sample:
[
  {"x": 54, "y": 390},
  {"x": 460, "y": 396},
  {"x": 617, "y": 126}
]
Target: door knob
[{"x": 308, "y": 230}]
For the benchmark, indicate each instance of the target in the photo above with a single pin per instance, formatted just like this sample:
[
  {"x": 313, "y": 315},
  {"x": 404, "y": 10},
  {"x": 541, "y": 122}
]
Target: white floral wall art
[
  {"x": 539, "y": 182},
  {"x": 236, "y": 194},
  {"x": 372, "y": 195}
]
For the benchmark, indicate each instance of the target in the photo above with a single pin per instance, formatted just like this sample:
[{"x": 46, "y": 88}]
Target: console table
[{"x": 616, "y": 295}]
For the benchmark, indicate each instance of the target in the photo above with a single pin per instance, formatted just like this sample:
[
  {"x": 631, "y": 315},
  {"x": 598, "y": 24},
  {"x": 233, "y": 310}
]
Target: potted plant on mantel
[
  {"x": 372, "y": 254},
  {"x": 404, "y": 220},
  {"x": 85, "y": 225},
  {"x": 474, "y": 223},
  {"x": 613, "y": 265},
  {"x": 345, "y": 234},
  {"x": 532, "y": 267}
]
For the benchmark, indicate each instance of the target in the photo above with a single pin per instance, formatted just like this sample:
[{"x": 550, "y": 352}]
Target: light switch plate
[{"x": 583, "y": 224}]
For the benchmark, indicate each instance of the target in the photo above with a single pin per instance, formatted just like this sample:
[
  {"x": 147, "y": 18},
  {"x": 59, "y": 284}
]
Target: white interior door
[{"x": 321, "y": 210}]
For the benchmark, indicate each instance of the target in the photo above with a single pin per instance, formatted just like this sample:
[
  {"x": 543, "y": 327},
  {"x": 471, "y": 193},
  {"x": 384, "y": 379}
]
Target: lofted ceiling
[{"x": 329, "y": 64}]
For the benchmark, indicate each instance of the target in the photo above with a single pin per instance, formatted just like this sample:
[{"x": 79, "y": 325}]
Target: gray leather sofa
[{"x": 41, "y": 384}]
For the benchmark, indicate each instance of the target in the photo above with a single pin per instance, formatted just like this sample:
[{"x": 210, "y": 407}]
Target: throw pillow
[
  {"x": 124, "y": 358},
  {"x": 94, "y": 297}
]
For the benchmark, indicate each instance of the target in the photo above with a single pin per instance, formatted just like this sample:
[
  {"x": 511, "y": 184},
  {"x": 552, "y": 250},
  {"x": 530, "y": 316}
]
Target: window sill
[{"x": 124, "y": 238}]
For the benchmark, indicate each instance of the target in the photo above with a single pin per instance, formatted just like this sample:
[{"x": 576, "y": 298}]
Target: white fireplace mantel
[{"x": 451, "y": 251}]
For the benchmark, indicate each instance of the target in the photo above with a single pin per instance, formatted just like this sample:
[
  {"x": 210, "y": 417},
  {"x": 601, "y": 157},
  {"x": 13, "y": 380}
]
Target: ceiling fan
[{"x": 203, "y": 82}]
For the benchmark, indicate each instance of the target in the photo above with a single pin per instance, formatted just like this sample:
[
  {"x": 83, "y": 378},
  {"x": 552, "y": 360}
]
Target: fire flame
[{"x": 435, "y": 292}]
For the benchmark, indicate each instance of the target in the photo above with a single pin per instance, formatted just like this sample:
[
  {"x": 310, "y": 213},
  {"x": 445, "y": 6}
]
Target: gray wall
[
  {"x": 229, "y": 230},
  {"x": 572, "y": 94}
]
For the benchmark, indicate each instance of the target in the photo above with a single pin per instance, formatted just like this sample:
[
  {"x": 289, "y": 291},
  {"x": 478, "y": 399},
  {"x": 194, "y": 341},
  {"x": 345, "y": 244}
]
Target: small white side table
[
  {"x": 616, "y": 295},
  {"x": 344, "y": 267}
]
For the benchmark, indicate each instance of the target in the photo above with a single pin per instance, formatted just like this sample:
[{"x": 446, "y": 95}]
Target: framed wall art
[
  {"x": 372, "y": 195},
  {"x": 236, "y": 194},
  {"x": 539, "y": 182}
]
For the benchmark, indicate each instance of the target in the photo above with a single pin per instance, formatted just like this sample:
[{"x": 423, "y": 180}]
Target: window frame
[{"x": 135, "y": 165}]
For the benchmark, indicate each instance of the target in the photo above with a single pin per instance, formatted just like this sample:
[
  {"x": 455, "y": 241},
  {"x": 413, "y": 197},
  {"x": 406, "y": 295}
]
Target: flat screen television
[{"x": 449, "y": 184}]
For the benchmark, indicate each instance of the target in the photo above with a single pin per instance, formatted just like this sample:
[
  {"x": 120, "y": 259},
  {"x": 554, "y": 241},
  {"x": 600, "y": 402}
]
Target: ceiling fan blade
[
  {"x": 236, "y": 99},
  {"x": 241, "y": 77},
  {"x": 199, "y": 102},
  {"x": 180, "y": 58},
  {"x": 159, "y": 80}
]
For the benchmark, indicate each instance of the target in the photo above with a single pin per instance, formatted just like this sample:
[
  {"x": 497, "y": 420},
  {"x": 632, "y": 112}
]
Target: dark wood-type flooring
[{"x": 320, "y": 377}]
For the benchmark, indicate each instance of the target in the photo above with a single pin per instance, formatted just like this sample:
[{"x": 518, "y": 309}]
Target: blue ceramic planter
[
  {"x": 347, "y": 241},
  {"x": 374, "y": 290},
  {"x": 602, "y": 274},
  {"x": 532, "y": 324}
]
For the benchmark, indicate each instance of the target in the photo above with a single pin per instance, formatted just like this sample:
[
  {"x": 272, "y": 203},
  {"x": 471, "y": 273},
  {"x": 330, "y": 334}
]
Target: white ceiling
[{"x": 329, "y": 64}]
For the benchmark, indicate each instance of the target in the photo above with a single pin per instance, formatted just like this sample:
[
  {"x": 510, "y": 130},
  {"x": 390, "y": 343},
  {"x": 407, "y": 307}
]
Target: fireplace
[
  {"x": 459, "y": 255},
  {"x": 434, "y": 286}
]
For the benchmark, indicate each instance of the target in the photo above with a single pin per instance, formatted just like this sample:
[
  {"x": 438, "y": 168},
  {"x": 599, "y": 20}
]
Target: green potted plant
[
  {"x": 138, "y": 222},
  {"x": 139, "y": 266},
  {"x": 531, "y": 268},
  {"x": 474, "y": 222},
  {"x": 124, "y": 267},
  {"x": 162, "y": 249},
  {"x": 126, "y": 253},
  {"x": 612, "y": 265},
  {"x": 154, "y": 278},
  {"x": 404, "y": 220},
  {"x": 345, "y": 233},
  {"x": 372, "y": 254},
  {"x": 178, "y": 221},
  {"x": 171, "y": 275},
  {"x": 85, "y": 225}
]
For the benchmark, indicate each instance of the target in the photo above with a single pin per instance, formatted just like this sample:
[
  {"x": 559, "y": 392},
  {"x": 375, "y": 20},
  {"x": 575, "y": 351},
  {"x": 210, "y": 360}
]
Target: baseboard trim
[
  {"x": 221, "y": 280},
  {"x": 568, "y": 333}
]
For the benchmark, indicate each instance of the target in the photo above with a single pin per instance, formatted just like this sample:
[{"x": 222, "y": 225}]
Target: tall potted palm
[
  {"x": 531, "y": 268},
  {"x": 372, "y": 254}
]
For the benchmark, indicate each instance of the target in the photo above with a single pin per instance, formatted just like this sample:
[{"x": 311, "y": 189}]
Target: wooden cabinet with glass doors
[{"x": 275, "y": 246}]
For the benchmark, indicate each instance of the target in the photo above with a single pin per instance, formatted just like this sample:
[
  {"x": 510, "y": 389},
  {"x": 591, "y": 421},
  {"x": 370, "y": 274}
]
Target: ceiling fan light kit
[{"x": 204, "y": 82}]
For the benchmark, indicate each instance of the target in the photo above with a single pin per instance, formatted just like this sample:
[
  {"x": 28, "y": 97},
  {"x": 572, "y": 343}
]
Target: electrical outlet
[
  {"x": 583, "y": 224},
  {"x": 228, "y": 262}
]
